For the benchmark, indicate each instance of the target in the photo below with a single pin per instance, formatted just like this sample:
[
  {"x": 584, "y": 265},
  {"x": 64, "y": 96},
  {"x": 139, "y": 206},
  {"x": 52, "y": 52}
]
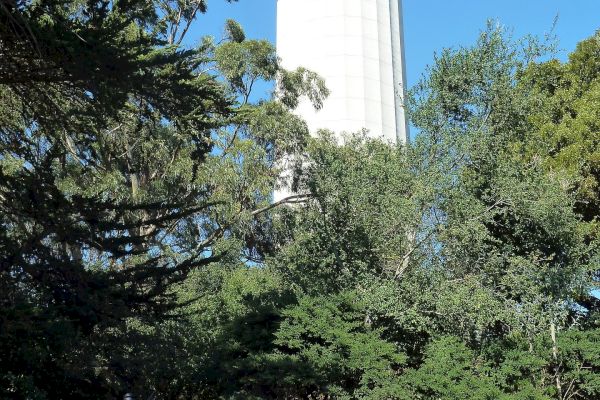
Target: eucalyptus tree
[{"x": 456, "y": 249}]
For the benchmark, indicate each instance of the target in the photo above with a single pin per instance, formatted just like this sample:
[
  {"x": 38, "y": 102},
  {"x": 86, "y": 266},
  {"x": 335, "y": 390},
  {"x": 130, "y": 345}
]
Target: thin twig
[{"x": 294, "y": 199}]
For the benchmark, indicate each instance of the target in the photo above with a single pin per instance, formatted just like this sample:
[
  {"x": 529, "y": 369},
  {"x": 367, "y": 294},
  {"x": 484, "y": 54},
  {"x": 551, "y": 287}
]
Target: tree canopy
[{"x": 141, "y": 251}]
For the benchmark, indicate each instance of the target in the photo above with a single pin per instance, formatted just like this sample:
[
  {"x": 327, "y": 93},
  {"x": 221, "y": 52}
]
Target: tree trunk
[{"x": 555, "y": 357}]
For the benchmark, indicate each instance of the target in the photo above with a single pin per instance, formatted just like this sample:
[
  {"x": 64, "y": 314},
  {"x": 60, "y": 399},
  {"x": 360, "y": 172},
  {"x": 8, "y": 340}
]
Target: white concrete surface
[{"x": 357, "y": 46}]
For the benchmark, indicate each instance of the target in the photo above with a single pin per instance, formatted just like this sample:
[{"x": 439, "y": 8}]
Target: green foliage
[
  {"x": 580, "y": 366},
  {"x": 335, "y": 350},
  {"x": 292, "y": 84},
  {"x": 125, "y": 164},
  {"x": 563, "y": 136},
  {"x": 565, "y": 124},
  {"x": 519, "y": 366},
  {"x": 141, "y": 251},
  {"x": 449, "y": 371},
  {"x": 234, "y": 31}
]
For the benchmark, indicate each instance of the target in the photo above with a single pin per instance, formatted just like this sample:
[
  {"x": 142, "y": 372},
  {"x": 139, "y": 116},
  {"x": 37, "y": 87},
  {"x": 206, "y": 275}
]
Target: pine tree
[{"x": 125, "y": 164}]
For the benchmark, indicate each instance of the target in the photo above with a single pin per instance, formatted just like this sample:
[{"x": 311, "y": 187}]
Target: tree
[
  {"x": 456, "y": 235},
  {"x": 141, "y": 250},
  {"x": 448, "y": 268},
  {"x": 564, "y": 131},
  {"x": 565, "y": 123},
  {"x": 125, "y": 164}
]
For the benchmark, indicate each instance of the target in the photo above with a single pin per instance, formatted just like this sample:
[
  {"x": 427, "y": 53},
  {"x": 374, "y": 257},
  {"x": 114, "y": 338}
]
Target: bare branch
[{"x": 294, "y": 199}]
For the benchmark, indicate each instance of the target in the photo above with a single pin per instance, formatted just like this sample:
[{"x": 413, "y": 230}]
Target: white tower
[{"x": 357, "y": 46}]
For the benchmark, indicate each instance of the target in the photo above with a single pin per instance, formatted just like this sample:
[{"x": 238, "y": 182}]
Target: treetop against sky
[{"x": 432, "y": 25}]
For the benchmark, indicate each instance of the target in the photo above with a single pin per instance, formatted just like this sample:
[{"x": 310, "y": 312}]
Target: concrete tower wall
[{"x": 357, "y": 46}]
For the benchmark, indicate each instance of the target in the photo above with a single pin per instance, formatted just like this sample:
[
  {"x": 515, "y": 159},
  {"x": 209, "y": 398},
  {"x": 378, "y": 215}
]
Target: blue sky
[{"x": 431, "y": 25}]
